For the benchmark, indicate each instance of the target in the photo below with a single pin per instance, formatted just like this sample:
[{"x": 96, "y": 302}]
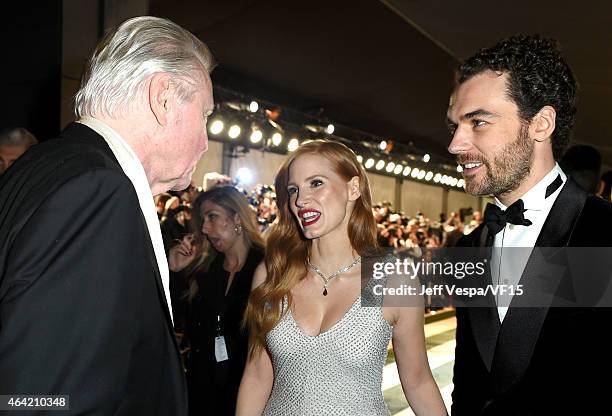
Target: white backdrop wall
[
  {"x": 262, "y": 165},
  {"x": 459, "y": 199},
  {"x": 419, "y": 197},
  {"x": 210, "y": 162},
  {"x": 382, "y": 187}
]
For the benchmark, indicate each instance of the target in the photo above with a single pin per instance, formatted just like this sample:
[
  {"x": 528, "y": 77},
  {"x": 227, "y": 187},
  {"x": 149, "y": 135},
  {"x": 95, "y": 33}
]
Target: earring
[{"x": 238, "y": 229}]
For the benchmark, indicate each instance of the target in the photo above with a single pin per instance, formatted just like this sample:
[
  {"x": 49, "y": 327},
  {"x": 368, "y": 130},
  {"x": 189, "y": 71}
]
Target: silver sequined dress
[{"x": 338, "y": 372}]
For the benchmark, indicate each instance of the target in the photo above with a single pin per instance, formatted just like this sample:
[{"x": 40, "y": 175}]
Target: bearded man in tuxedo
[
  {"x": 510, "y": 116},
  {"x": 84, "y": 291}
]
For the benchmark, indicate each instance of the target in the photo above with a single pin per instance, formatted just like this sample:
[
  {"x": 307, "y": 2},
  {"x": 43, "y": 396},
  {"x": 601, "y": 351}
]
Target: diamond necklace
[{"x": 334, "y": 274}]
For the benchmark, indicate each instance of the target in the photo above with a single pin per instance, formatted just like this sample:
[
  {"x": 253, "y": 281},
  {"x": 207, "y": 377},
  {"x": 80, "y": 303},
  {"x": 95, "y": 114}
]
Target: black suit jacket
[
  {"x": 82, "y": 310},
  {"x": 539, "y": 361}
]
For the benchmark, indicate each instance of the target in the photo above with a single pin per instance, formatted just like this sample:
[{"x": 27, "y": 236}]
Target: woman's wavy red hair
[{"x": 287, "y": 249}]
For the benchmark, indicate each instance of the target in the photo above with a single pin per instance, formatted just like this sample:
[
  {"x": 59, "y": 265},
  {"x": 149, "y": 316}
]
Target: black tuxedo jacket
[
  {"x": 545, "y": 360},
  {"x": 82, "y": 309}
]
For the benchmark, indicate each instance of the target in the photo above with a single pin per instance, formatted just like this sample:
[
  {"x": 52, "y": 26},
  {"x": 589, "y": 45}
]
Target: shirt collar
[
  {"x": 127, "y": 158},
  {"x": 535, "y": 198}
]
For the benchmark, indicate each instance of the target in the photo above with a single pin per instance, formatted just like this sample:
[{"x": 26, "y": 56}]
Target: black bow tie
[{"x": 496, "y": 218}]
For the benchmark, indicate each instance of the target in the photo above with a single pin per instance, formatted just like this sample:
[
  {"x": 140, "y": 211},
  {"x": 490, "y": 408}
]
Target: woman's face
[
  {"x": 319, "y": 198},
  {"x": 219, "y": 226}
]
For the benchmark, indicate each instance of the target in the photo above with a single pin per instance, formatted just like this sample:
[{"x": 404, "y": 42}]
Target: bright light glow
[
  {"x": 390, "y": 167},
  {"x": 421, "y": 174},
  {"x": 398, "y": 169},
  {"x": 234, "y": 131},
  {"x": 415, "y": 172},
  {"x": 429, "y": 176},
  {"x": 369, "y": 163},
  {"x": 253, "y": 107},
  {"x": 437, "y": 177},
  {"x": 459, "y": 168},
  {"x": 359, "y": 158},
  {"x": 406, "y": 171},
  {"x": 293, "y": 145},
  {"x": 444, "y": 179},
  {"x": 216, "y": 127},
  {"x": 461, "y": 183},
  {"x": 453, "y": 181},
  {"x": 380, "y": 164},
  {"x": 277, "y": 139},
  {"x": 256, "y": 136},
  {"x": 426, "y": 158},
  {"x": 244, "y": 175},
  {"x": 330, "y": 129},
  {"x": 382, "y": 145}
]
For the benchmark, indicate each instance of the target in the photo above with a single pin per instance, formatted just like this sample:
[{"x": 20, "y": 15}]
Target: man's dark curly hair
[{"x": 537, "y": 76}]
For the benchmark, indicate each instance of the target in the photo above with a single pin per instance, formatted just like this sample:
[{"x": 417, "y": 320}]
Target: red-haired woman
[{"x": 313, "y": 348}]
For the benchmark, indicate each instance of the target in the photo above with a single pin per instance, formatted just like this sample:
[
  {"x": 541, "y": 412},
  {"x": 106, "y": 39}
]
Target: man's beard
[{"x": 506, "y": 172}]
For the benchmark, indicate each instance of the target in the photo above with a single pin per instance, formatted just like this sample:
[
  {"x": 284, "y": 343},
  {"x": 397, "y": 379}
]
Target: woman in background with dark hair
[
  {"x": 315, "y": 350},
  {"x": 218, "y": 296}
]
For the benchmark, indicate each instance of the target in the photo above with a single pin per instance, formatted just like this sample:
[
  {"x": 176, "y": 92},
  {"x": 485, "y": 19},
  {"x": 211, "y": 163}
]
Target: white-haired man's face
[{"x": 184, "y": 139}]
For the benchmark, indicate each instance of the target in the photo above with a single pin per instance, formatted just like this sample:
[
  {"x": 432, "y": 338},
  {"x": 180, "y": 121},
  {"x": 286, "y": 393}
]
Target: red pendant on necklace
[{"x": 325, "y": 292}]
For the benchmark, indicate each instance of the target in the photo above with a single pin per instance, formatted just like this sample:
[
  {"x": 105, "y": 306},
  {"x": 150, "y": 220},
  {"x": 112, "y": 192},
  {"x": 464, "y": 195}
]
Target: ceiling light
[
  {"x": 277, "y": 139},
  {"x": 216, "y": 127},
  {"x": 293, "y": 145},
  {"x": 234, "y": 131},
  {"x": 256, "y": 136}
]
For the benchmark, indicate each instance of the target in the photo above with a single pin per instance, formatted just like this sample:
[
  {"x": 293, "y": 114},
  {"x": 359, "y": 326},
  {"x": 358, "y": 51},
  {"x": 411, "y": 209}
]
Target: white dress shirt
[
  {"x": 507, "y": 268},
  {"x": 132, "y": 167}
]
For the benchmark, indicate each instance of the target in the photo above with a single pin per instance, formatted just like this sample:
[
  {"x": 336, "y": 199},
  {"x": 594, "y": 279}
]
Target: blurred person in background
[
  {"x": 606, "y": 186},
  {"x": 583, "y": 164},
  {"x": 84, "y": 287},
  {"x": 13, "y": 143},
  {"x": 218, "y": 295},
  {"x": 160, "y": 204},
  {"x": 176, "y": 222}
]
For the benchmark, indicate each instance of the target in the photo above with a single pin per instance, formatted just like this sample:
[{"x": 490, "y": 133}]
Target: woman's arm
[
  {"x": 411, "y": 356},
  {"x": 256, "y": 385},
  {"x": 258, "y": 375}
]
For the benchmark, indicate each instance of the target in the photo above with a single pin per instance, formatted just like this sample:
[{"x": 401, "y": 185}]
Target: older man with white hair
[{"x": 84, "y": 297}]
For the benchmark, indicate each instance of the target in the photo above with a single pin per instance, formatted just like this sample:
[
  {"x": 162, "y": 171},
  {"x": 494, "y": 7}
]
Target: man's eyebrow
[{"x": 478, "y": 113}]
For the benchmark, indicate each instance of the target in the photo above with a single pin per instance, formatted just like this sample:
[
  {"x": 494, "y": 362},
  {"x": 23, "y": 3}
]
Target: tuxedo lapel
[
  {"x": 521, "y": 327},
  {"x": 484, "y": 318},
  {"x": 81, "y": 133}
]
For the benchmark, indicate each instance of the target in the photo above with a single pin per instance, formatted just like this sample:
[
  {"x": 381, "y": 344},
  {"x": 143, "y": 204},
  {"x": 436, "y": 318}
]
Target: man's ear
[
  {"x": 160, "y": 93},
  {"x": 543, "y": 124},
  {"x": 353, "y": 188}
]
